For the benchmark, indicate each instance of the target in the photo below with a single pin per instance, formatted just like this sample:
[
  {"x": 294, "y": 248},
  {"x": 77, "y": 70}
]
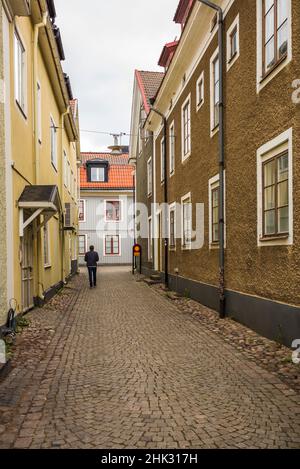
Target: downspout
[
  {"x": 61, "y": 218},
  {"x": 221, "y": 158},
  {"x": 37, "y": 28},
  {"x": 165, "y": 196}
]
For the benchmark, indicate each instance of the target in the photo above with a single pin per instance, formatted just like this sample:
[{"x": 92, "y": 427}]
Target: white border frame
[
  {"x": 262, "y": 82},
  {"x": 149, "y": 193},
  {"x": 213, "y": 130},
  {"x": 52, "y": 123},
  {"x": 162, "y": 162},
  {"x": 114, "y": 199},
  {"x": 85, "y": 244},
  {"x": 201, "y": 78},
  {"x": 172, "y": 208},
  {"x": 235, "y": 24},
  {"x": 272, "y": 148},
  {"x": 84, "y": 210},
  {"x": 47, "y": 265},
  {"x": 183, "y": 156},
  {"x": 172, "y": 125},
  {"x": 24, "y": 111},
  {"x": 120, "y": 245},
  {"x": 183, "y": 199},
  {"x": 150, "y": 237}
]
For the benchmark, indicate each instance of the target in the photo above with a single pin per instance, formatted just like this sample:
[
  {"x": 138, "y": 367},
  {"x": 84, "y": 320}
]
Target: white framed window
[
  {"x": 214, "y": 92},
  {"x": 149, "y": 176},
  {"x": 200, "y": 92},
  {"x": 150, "y": 239},
  {"x": 113, "y": 210},
  {"x": 53, "y": 144},
  {"x": 172, "y": 227},
  {"x": 214, "y": 211},
  {"x": 82, "y": 244},
  {"x": 65, "y": 169},
  {"x": 162, "y": 159},
  {"x": 186, "y": 217},
  {"x": 72, "y": 183},
  {"x": 20, "y": 70},
  {"x": 69, "y": 177},
  {"x": 97, "y": 174},
  {"x": 233, "y": 43},
  {"x": 112, "y": 245},
  {"x": 275, "y": 191},
  {"x": 82, "y": 211},
  {"x": 47, "y": 261},
  {"x": 274, "y": 38},
  {"x": 186, "y": 128},
  {"x": 172, "y": 148},
  {"x": 39, "y": 111}
]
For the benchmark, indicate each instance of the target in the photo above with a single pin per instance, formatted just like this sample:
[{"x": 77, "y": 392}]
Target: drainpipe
[
  {"x": 37, "y": 28},
  {"x": 221, "y": 158},
  {"x": 62, "y": 198},
  {"x": 165, "y": 196}
]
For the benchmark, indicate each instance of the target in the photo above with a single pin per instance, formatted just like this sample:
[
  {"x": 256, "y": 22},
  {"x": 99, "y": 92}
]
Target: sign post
[{"x": 136, "y": 254}]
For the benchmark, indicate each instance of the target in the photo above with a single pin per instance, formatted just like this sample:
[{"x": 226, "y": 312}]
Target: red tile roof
[
  {"x": 149, "y": 83},
  {"x": 167, "y": 54},
  {"x": 73, "y": 106},
  {"x": 120, "y": 173}
]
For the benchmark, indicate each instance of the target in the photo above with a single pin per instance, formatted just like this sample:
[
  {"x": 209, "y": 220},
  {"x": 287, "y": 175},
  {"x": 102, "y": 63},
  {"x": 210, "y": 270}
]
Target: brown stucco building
[{"x": 261, "y": 148}]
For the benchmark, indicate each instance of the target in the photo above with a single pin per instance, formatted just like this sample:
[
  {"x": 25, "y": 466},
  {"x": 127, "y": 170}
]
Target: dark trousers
[{"x": 92, "y": 275}]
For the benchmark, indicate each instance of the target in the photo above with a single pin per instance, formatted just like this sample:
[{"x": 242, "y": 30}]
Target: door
[{"x": 27, "y": 270}]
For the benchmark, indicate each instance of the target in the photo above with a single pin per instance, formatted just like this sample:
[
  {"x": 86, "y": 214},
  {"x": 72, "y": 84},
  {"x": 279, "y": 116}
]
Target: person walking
[{"x": 91, "y": 258}]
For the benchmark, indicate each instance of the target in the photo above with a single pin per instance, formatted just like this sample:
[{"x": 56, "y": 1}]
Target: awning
[{"x": 38, "y": 200}]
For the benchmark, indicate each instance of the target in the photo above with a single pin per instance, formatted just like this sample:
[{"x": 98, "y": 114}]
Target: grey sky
[{"x": 104, "y": 42}]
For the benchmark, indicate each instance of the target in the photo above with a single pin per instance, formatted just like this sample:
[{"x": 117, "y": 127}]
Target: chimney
[{"x": 116, "y": 149}]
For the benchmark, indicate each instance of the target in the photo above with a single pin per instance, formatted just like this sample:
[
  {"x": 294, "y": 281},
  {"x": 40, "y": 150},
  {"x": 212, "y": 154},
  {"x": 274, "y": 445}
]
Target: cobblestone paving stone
[{"x": 119, "y": 367}]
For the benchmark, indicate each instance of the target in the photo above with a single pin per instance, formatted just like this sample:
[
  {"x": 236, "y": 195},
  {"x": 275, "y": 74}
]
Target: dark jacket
[{"x": 91, "y": 258}]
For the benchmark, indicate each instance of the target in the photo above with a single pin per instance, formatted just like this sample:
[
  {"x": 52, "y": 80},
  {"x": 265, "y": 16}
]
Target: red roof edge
[
  {"x": 141, "y": 86},
  {"x": 182, "y": 11},
  {"x": 167, "y": 53}
]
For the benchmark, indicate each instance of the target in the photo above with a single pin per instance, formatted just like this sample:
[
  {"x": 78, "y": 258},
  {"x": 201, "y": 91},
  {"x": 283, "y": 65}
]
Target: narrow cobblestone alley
[{"x": 122, "y": 368}]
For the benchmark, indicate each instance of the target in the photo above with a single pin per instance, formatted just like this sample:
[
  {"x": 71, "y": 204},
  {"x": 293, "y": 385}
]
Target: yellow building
[{"x": 38, "y": 158}]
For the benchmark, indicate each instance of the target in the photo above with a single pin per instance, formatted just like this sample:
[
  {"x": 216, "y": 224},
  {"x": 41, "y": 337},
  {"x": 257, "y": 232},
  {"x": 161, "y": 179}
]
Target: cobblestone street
[{"x": 121, "y": 367}]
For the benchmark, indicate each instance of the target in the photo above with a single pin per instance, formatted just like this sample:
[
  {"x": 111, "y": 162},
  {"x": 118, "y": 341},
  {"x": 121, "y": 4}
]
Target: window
[
  {"x": 186, "y": 221},
  {"x": 275, "y": 32},
  {"x": 82, "y": 210},
  {"x": 186, "y": 128},
  {"x": 200, "y": 91},
  {"x": 215, "y": 194},
  {"x": 112, "y": 210},
  {"x": 162, "y": 160},
  {"x": 149, "y": 176},
  {"x": 112, "y": 245},
  {"x": 216, "y": 92},
  {"x": 39, "y": 111},
  {"x": 69, "y": 176},
  {"x": 172, "y": 148},
  {"x": 276, "y": 195},
  {"x": 20, "y": 73},
  {"x": 233, "y": 42},
  {"x": 82, "y": 244},
  {"x": 65, "y": 169},
  {"x": 150, "y": 237},
  {"x": 72, "y": 183},
  {"x": 172, "y": 238},
  {"x": 53, "y": 131},
  {"x": 97, "y": 174},
  {"x": 46, "y": 246},
  {"x": 275, "y": 191}
]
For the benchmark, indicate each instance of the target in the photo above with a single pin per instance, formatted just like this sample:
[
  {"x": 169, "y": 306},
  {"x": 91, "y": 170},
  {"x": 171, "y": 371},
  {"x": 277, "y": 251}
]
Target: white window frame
[
  {"x": 200, "y": 80},
  {"x": 172, "y": 208},
  {"x": 162, "y": 160},
  {"x": 65, "y": 169},
  {"x": 149, "y": 177},
  {"x": 47, "y": 248},
  {"x": 186, "y": 247},
  {"x": 261, "y": 81},
  {"x": 283, "y": 142},
  {"x": 39, "y": 110},
  {"x": 213, "y": 129},
  {"x": 20, "y": 80},
  {"x": 53, "y": 149},
  {"x": 172, "y": 148},
  {"x": 84, "y": 210},
  {"x": 150, "y": 239},
  {"x": 213, "y": 183},
  {"x": 231, "y": 60},
  {"x": 69, "y": 177},
  {"x": 188, "y": 154},
  {"x": 85, "y": 244},
  {"x": 104, "y": 245},
  {"x": 121, "y": 210}
]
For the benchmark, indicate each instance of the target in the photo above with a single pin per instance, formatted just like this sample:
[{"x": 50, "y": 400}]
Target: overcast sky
[{"x": 104, "y": 42}]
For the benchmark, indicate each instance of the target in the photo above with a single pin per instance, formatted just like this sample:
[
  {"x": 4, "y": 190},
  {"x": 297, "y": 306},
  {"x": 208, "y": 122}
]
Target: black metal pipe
[
  {"x": 222, "y": 305},
  {"x": 165, "y": 195}
]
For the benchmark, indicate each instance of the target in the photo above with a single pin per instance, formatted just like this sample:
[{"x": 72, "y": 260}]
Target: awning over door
[{"x": 35, "y": 201}]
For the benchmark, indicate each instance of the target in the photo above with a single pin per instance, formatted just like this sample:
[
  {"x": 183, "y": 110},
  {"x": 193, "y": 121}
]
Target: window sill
[
  {"x": 54, "y": 167},
  {"x": 271, "y": 70},
  {"x": 47, "y": 266},
  {"x": 21, "y": 109},
  {"x": 199, "y": 105},
  {"x": 234, "y": 56},
  {"x": 266, "y": 239},
  {"x": 172, "y": 174}
]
